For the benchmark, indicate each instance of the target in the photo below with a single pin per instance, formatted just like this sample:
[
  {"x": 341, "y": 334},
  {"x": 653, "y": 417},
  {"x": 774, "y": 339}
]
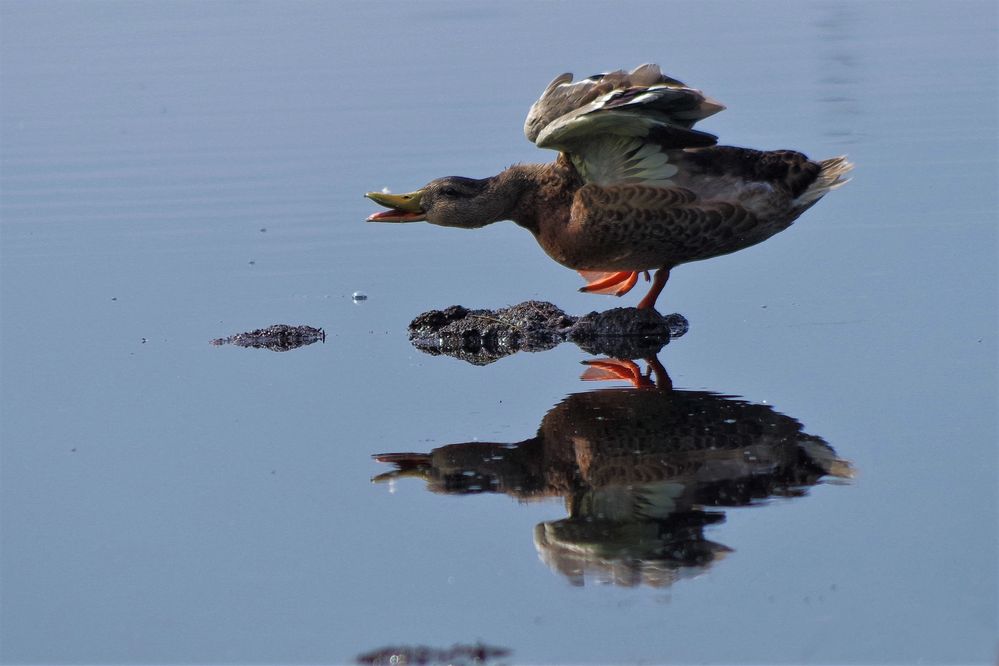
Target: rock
[{"x": 484, "y": 336}]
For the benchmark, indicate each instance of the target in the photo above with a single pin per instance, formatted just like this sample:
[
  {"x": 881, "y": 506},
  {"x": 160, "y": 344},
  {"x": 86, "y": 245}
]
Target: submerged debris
[
  {"x": 279, "y": 337},
  {"x": 458, "y": 655},
  {"x": 483, "y": 336}
]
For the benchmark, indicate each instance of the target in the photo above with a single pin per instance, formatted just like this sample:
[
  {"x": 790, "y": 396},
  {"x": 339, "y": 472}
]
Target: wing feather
[
  {"x": 620, "y": 127},
  {"x": 645, "y": 88}
]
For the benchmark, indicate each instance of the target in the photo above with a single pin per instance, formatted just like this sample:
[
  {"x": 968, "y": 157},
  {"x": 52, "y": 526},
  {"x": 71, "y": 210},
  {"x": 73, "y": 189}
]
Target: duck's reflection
[{"x": 640, "y": 469}]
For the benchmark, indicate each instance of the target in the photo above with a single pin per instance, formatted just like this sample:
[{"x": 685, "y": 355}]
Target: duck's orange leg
[
  {"x": 658, "y": 282},
  {"x": 617, "y": 283}
]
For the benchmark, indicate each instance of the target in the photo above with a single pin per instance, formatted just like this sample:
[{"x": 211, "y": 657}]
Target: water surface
[{"x": 178, "y": 172}]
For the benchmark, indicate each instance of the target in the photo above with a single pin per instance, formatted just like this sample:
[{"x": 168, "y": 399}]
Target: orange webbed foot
[{"x": 617, "y": 283}]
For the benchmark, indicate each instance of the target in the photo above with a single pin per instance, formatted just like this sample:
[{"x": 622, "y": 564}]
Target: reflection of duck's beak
[
  {"x": 408, "y": 465},
  {"x": 400, "y": 474},
  {"x": 404, "y": 207}
]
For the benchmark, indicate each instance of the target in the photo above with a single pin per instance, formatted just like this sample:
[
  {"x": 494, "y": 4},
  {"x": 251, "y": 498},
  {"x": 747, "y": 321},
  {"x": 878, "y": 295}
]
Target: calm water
[{"x": 174, "y": 173}]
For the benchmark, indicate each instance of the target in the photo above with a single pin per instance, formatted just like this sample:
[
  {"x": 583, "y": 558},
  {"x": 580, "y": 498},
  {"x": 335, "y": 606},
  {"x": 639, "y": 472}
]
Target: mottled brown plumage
[{"x": 634, "y": 188}]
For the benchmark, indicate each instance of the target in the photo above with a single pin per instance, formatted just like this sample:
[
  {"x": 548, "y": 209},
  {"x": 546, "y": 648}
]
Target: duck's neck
[{"x": 528, "y": 193}]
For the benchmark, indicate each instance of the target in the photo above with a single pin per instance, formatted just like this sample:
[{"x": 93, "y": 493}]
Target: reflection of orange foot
[
  {"x": 599, "y": 282},
  {"x": 611, "y": 368}
]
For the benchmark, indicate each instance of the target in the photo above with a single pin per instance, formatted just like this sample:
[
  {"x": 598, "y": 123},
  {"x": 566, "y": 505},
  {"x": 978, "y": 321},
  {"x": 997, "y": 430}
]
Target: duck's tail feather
[{"x": 830, "y": 177}]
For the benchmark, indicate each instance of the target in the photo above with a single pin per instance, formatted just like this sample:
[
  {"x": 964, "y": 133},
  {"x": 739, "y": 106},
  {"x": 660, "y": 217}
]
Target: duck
[{"x": 634, "y": 187}]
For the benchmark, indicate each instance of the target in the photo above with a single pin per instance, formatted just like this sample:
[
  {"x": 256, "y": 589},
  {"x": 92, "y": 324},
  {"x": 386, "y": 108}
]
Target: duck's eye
[{"x": 450, "y": 192}]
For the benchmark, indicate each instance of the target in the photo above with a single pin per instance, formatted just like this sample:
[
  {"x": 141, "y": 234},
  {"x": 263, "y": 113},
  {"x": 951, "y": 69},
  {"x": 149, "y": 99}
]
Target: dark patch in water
[
  {"x": 484, "y": 336},
  {"x": 458, "y": 655}
]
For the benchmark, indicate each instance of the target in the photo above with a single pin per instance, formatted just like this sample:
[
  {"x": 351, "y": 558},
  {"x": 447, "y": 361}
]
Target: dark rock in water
[
  {"x": 626, "y": 332},
  {"x": 279, "y": 337},
  {"x": 628, "y": 322},
  {"x": 421, "y": 655},
  {"x": 483, "y": 336}
]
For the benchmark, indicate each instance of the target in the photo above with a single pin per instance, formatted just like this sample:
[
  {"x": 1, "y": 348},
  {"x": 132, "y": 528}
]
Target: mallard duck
[{"x": 634, "y": 188}]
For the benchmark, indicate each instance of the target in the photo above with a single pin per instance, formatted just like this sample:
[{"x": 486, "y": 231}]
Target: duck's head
[{"x": 449, "y": 202}]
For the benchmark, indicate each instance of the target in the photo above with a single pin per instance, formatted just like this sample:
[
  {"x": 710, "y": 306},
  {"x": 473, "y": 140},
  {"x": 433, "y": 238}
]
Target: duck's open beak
[{"x": 404, "y": 207}]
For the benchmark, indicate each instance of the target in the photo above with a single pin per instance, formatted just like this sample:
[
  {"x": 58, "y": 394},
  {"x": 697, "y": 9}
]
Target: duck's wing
[
  {"x": 641, "y": 98},
  {"x": 618, "y": 127}
]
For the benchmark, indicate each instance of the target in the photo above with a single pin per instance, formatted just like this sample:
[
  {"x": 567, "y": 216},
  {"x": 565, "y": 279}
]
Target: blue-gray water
[{"x": 177, "y": 172}]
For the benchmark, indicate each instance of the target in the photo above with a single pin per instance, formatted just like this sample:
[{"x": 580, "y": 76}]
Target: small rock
[{"x": 484, "y": 336}]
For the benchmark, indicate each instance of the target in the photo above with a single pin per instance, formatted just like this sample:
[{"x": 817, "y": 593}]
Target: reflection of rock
[
  {"x": 637, "y": 468},
  {"x": 279, "y": 337},
  {"x": 484, "y": 336}
]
